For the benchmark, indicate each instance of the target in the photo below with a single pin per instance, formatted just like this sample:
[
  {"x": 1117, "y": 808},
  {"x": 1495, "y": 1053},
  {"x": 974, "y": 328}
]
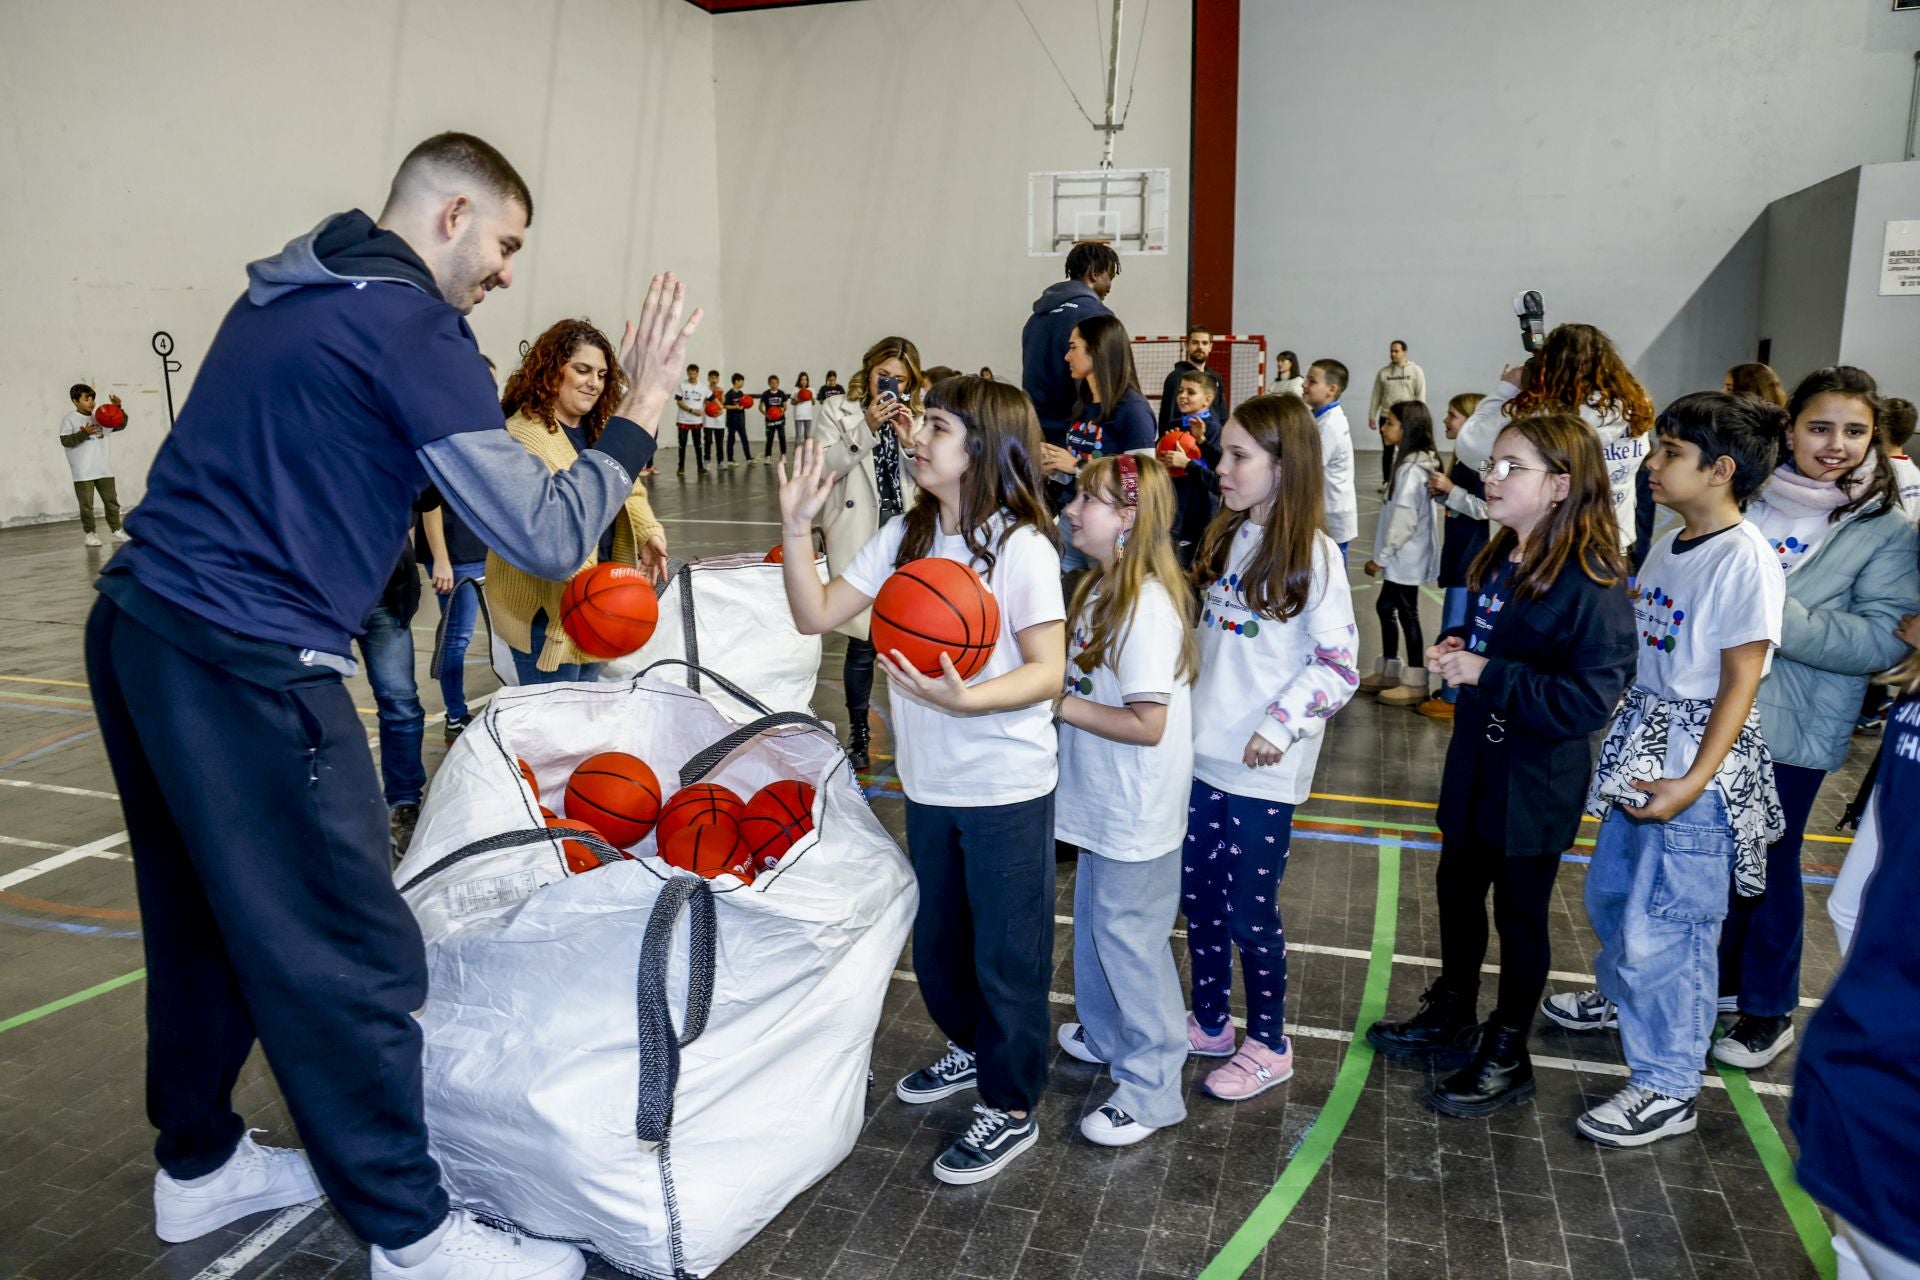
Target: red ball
[
  {"x": 618, "y": 793},
  {"x": 111, "y": 416},
  {"x": 777, "y": 556},
  {"x": 703, "y": 802},
  {"x": 579, "y": 857},
  {"x": 746, "y": 402},
  {"x": 710, "y": 849},
  {"x": 713, "y": 407},
  {"x": 776, "y": 413},
  {"x": 777, "y": 816},
  {"x": 804, "y": 394},
  {"x": 526, "y": 771},
  {"x": 934, "y": 606},
  {"x": 546, "y": 814},
  {"x": 609, "y": 610},
  {"x": 1181, "y": 442}
]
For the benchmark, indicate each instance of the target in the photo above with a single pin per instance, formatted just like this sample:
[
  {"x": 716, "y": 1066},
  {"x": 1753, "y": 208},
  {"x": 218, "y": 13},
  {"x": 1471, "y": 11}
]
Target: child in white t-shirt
[
  {"x": 1126, "y": 762},
  {"x": 1326, "y": 380},
  {"x": 85, "y": 441},
  {"x": 1897, "y": 419},
  {"x": 978, "y": 760},
  {"x": 804, "y": 403},
  {"x": 689, "y": 414},
  {"x": 1684, "y": 786},
  {"x": 1276, "y": 662}
]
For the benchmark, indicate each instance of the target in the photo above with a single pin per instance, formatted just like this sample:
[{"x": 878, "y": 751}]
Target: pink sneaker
[
  {"x": 1253, "y": 1070},
  {"x": 1209, "y": 1046}
]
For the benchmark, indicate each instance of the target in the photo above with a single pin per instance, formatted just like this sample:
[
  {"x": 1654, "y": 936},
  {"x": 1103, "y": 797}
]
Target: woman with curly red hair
[
  {"x": 557, "y": 403},
  {"x": 1578, "y": 371}
]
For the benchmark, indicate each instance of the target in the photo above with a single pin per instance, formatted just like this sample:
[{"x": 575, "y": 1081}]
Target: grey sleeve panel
[{"x": 543, "y": 523}]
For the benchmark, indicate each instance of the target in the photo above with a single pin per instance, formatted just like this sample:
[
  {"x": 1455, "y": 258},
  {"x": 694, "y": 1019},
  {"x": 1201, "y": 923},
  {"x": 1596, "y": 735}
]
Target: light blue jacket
[{"x": 1843, "y": 602}]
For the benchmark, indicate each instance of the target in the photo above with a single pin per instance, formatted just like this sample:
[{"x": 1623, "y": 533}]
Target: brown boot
[
  {"x": 1386, "y": 674},
  {"x": 1411, "y": 691}
]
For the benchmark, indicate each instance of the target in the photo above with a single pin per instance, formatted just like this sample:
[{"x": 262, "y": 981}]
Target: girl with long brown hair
[
  {"x": 557, "y": 403},
  {"x": 1126, "y": 760},
  {"x": 1276, "y": 662},
  {"x": 1546, "y": 651},
  {"x": 978, "y": 760}
]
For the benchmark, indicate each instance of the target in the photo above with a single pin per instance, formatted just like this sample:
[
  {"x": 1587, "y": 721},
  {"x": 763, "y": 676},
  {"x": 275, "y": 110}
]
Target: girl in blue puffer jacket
[{"x": 1832, "y": 512}]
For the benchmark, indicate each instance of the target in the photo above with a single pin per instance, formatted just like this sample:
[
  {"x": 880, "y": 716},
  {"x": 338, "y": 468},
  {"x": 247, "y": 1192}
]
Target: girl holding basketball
[
  {"x": 1128, "y": 733},
  {"x": 1276, "y": 662},
  {"x": 978, "y": 759}
]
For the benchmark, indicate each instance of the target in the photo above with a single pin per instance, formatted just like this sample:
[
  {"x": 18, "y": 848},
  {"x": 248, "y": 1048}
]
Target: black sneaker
[
  {"x": 1443, "y": 1031},
  {"x": 988, "y": 1145},
  {"x": 1636, "y": 1116},
  {"x": 1754, "y": 1041},
  {"x": 455, "y": 725},
  {"x": 1073, "y": 1042},
  {"x": 401, "y": 820},
  {"x": 1581, "y": 1011},
  {"x": 953, "y": 1074}
]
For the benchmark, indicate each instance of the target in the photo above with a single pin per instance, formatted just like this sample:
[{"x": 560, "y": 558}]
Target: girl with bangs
[
  {"x": 1546, "y": 651},
  {"x": 1276, "y": 663},
  {"x": 1126, "y": 758},
  {"x": 557, "y": 403},
  {"x": 978, "y": 760}
]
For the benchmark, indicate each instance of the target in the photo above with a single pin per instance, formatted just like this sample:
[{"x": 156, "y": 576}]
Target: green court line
[
  {"x": 67, "y": 1002},
  {"x": 1815, "y": 1236},
  {"x": 1267, "y": 1217}
]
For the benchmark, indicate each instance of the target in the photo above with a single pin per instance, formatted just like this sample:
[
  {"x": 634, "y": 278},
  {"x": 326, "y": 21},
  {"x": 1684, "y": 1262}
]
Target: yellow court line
[
  {"x": 1418, "y": 804},
  {"x": 71, "y": 684}
]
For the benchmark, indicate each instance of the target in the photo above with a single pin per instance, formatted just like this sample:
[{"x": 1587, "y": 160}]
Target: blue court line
[{"x": 65, "y": 926}]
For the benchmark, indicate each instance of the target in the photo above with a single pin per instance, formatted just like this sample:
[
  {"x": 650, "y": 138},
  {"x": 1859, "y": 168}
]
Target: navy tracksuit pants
[{"x": 267, "y": 906}]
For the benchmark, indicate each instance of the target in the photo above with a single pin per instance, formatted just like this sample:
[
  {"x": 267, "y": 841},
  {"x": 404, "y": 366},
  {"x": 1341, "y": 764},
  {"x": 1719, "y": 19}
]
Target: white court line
[
  {"x": 95, "y": 849},
  {"x": 234, "y": 1260},
  {"x": 31, "y": 844},
  {"x": 757, "y": 524},
  {"x": 57, "y": 790}
]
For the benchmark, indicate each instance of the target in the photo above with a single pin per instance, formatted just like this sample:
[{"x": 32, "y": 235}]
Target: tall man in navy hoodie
[
  {"x": 340, "y": 384},
  {"x": 1091, "y": 268}
]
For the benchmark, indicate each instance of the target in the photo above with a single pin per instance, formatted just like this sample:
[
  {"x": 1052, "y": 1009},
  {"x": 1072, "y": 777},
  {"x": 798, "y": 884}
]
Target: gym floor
[{"x": 1342, "y": 1173}]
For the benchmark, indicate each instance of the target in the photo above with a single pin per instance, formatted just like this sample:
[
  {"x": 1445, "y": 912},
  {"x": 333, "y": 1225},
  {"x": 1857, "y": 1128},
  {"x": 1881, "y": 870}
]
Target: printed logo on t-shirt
[
  {"x": 1659, "y": 617},
  {"x": 1906, "y": 721},
  {"x": 1083, "y": 439},
  {"x": 1223, "y": 599},
  {"x": 1485, "y": 607},
  {"x": 1078, "y": 681},
  {"x": 1790, "y": 550}
]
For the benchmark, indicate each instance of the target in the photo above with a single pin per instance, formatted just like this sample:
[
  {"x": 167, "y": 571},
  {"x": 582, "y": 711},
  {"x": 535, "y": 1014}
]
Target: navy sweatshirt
[{"x": 1043, "y": 351}]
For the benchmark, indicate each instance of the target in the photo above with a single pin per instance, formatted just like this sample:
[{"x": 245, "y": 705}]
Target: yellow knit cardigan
[{"x": 515, "y": 596}]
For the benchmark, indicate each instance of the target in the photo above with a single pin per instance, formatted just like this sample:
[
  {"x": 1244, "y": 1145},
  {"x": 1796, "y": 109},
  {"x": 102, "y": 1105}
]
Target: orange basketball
[
  {"x": 579, "y": 857},
  {"x": 777, "y": 556},
  {"x": 746, "y": 402},
  {"x": 609, "y": 610},
  {"x": 713, "y": 407},
  {"x": 710, "y": 849},
  {"x": 526, "y": 771},
  {"x": 934, "y": 606},
  {"x": 703, "y": 802},
  {"x": 1181, "y": 442},
  {"x": 777, "y": 816},
  {"x": 618, "y": 794},
  {"x": 804, "y": 394},
  {"x": 776, "y": 413},
  {"x": 547, "y": 814}
]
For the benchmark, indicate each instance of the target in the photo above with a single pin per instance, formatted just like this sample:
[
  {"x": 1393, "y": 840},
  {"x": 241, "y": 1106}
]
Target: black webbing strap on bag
[
  {"x": 607, "y": 854},
  {"x": 660, "y": 1044},
  {"x": 695, "y": 671},
  {"x": 709, "y": 757},
  {"x": 478, "y": 586}
]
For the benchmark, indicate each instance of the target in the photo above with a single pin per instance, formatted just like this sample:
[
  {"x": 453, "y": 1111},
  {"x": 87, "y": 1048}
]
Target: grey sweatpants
[{"x": 1125, "y": 986}]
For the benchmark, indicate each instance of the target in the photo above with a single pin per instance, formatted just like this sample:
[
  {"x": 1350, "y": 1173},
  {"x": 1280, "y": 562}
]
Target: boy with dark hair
[
  {"x": 87, "y": 459},
  {"x": 773, "y": 411},
  {"x": 1897, "y": 420},
  {"x": 1684, "y": 786},
  {"x": 1326, "y": 379},
  {"x": 1091, "y": 268},
  {"x": 1193, "y": 359},
  {"x": 736, "y": 403},
  {"x": 716, "y": 430},
  {"x": 689, "y": 415}
]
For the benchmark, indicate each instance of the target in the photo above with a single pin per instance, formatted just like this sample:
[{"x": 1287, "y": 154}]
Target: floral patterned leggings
[{"x": 1230, "y": 869}]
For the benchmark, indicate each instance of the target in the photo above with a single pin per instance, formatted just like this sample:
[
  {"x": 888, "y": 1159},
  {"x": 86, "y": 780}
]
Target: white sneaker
[
  {"x": 253, "y": 1180},
  {"x": 121, "y": 535},
  {"x": 1073, "y": 1042},
  {"x": 471, "y": 1250},
  {"x": 1111, "y": 1127},
  {"x": 91, "y": 540}
]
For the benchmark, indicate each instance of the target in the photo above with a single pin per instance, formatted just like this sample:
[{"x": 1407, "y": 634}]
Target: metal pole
[
  {"x": 1913, "y": 109},
  {"x": 1112, "y": 89}
]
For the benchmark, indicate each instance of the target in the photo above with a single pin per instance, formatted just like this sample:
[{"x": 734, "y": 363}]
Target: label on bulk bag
[{"x": 475, "y": 896}]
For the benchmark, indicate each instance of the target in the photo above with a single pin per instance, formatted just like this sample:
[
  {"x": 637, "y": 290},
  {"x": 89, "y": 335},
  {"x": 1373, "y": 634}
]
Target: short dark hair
[
  {"x": 1746, "y": 429},
  {"x": 1333, "y": 371},
  {"x": 1200, "y": 378},
  {"x": 693, "y": 368},
  {"x": 1400, "y": 343},
  {"x": 1897, "y": 419},
  {"x": 738, "y": 377},
  {"x": 940, "y": 373},
  {"x": 833, "y": 373},
  {"x": 1090, "y": 256},
  {"x": 712, "y": 373},
  {"x": 1198, "y": 328},
  {"x": 773, "y": 377},
  {"x": 476, "y": 158},
  {"x": 79, "y": 389}
]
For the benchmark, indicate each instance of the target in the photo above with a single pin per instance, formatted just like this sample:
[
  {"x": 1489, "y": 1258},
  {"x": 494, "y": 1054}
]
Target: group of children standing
[{"x": 714, "y": 418}]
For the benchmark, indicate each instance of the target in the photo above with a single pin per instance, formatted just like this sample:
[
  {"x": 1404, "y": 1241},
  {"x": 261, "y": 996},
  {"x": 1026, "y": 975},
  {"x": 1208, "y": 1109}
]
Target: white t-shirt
[
  {"x": 87, "y": 461},
  {"x": 1118, "y": 799},
  {"x": 1689, "y": 605},
  {"x": 803, "y": 409},
  {"x": 969, "y": 762},
  {"x": 1336, "y": 456},
  {"x": 1281, "y": 680},
  {"x": 689, "y": 393},
  {"x": 1907, "y": 476}
]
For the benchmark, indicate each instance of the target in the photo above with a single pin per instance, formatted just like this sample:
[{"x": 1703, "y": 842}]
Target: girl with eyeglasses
[{"x": 1546, "y": 651}]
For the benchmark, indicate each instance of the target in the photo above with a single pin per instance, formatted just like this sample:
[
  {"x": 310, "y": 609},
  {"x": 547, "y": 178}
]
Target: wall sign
[{"x": 1900, "y": 260}]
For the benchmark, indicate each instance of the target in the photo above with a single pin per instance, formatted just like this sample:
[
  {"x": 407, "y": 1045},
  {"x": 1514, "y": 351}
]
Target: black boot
[
  {"x": 1443, "y": 1030},
  {"x": 1500, "y": 1075},
  {"x": 859, "y": 737}
]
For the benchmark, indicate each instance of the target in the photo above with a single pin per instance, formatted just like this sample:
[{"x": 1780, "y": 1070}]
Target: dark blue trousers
[
  {"x": 267, "y": 907},
  {"x": 1760, "y": 942}
]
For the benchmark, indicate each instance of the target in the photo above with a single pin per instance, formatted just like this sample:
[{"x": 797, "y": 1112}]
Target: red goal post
[{"x": 1240, "y": 360}]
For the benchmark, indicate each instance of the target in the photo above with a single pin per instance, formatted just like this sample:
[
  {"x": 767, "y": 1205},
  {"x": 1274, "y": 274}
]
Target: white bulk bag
[{"x": 598, "y": 1072}]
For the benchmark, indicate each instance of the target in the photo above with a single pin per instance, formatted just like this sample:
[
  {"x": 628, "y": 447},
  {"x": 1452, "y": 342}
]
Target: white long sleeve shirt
[
  {"x": 1336, "y": 458},
  {"x": 1623, "y": 453}
]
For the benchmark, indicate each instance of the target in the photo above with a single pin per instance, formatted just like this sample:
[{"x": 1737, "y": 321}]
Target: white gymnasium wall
[
  {"x": 1882, "y": 334},
  {"x": 1404, "y": 168},
  {"x": 874, "y": 162},
  {"x": 1809, "y": 238},
  {"x": 155, "y": 149}
]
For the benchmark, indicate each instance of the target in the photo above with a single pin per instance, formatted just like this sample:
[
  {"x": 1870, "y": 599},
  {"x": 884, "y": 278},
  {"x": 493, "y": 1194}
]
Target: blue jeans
[
  {"x": 1453, "y": 613},
  {"x": 1761, "y": 942},
  {"x": 461, "y": 609},
  {"x": 1656, "y": 894},
  {"x": 528, "y": 673},
  {"x": 388, "y": 650}
]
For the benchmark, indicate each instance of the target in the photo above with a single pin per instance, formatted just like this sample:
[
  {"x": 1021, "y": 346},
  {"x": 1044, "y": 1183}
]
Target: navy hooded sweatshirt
[
  {"x": 1043, "y": 351},
  {"x": 335, "y": 389}
]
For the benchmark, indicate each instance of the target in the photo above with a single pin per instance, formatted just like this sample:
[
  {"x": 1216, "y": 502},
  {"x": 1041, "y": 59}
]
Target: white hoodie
[{"x": 1623, "y": 453}]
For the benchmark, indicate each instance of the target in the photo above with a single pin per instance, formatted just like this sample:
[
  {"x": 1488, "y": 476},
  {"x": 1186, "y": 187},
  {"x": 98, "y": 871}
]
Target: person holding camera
[{"x": 864, "y": 436}]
